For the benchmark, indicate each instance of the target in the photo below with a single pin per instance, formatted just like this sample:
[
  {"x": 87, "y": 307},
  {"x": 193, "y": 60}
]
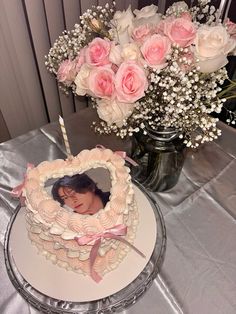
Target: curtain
[{"x": 29, "y": 95}]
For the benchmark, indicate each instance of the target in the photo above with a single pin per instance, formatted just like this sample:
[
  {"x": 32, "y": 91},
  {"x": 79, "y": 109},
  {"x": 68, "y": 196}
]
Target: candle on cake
[{"x": 65, "y": 138}]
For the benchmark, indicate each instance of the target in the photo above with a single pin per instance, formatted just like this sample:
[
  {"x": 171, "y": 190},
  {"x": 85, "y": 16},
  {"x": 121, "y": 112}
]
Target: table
[{"x": 199, "y": 271}]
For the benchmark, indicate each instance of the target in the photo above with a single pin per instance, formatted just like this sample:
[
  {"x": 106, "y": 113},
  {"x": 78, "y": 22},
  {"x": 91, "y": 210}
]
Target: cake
[{"x": 92, "y": 245}]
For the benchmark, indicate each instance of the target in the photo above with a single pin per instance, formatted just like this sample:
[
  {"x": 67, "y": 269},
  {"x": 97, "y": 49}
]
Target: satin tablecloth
[{"x": 198, "y": 275}]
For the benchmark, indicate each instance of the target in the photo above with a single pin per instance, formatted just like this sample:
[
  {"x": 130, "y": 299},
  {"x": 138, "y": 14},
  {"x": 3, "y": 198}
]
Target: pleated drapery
[{"x": 29, "y": 95}]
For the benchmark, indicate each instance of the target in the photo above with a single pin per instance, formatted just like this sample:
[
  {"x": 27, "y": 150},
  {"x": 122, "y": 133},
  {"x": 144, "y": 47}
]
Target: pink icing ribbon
[
  {"x": 121, "y": 154},
  {"x": 17, "y": 191},
  {"x": 95, "y": 240}
]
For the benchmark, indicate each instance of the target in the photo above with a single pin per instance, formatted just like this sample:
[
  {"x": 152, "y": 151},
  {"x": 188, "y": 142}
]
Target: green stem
[
  {"x": 230, "y": 97},
  {"x": 228, "y": 88}
]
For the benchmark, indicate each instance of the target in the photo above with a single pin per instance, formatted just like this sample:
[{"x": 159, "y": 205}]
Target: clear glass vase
[{"x": 160, "y": 155}]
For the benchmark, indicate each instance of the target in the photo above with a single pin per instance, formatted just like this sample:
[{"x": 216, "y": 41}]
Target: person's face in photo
[{"x": 82, "y": 203}]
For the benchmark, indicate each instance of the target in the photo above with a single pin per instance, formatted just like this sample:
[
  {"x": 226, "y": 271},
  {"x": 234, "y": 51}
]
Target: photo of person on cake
[{"x": 80, "y": 193}]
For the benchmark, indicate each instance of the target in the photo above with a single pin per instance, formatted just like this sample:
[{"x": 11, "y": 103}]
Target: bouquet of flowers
[{"x": 141, "y": 68}]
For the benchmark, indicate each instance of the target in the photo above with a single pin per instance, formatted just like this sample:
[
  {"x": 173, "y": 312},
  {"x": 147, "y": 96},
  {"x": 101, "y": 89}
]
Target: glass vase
[{"x": 160, "y": 156}]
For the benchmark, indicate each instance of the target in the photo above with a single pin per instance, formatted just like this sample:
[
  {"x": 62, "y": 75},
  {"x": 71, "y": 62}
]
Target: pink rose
[
  {"x": 231, "y": 28},
  {"x": 141, "y": 33},
  {"x": 97, "y": 52},
  {"x": 130, "y": 82},
  {"x": 114, "y": 111},
  {"x": 186, "y": 16},
  {"x": 101, "y": 82},
  {"x": 180, "y": 31},
  {"x": 66, "y": 72},
  {"x": 159, "y": 28},
  {"x": 155, "y": 49}
]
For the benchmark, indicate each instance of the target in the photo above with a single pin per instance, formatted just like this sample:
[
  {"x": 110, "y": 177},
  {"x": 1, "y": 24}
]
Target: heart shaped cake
[{"x": 89, "y": 241}]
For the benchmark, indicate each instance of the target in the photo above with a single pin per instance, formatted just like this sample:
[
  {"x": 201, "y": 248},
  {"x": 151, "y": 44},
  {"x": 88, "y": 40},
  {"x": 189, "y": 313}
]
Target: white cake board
[{"x": 61, "y": 284}]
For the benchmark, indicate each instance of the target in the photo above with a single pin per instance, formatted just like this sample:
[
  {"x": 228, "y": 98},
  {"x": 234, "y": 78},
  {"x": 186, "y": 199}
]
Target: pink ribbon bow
[
  {"x": 95, "y": 240},
  {"x": 17, "y": 191},
  {"x": 121, "y": 154}
]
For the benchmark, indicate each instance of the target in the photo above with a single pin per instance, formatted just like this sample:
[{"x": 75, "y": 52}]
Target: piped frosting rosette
[{"x": 53, "y": 229}]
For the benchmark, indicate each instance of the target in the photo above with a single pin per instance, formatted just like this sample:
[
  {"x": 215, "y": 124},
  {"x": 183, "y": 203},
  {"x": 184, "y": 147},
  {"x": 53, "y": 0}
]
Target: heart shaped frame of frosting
[{"x": 58, "y": 220}]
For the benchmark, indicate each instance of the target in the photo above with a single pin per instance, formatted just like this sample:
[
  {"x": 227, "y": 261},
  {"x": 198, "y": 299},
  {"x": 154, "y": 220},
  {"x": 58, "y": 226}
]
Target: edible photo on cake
[{"x": 83, "y": 193}]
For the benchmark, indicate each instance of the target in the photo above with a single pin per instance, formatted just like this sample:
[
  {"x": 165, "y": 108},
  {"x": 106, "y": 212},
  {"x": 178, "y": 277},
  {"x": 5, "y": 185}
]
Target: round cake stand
[{"x": 113, "y": 303}]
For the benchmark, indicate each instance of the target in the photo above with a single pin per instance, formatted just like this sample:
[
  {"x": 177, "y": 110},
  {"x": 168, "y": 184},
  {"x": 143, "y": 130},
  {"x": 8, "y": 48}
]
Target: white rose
[
  {"x": 212, "y": 45},
  {"x": 123, "y": 19},
  {"x": 123, "y": 22},
  {"x": 114, "y": 111},
  {"x": 115, "y": 54},
  {"x": 81, "y": 80},
  {"x": 147, "y": 11},
  {"x": 130, "y": 52},
  {"x": 147, "y": 15},
  {"x": 122, "y": 37},
  {"x": 179, "y": 6}
]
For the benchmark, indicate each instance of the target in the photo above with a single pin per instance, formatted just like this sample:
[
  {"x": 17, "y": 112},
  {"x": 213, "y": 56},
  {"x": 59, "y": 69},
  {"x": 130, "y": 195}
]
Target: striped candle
[{"x": 63, "y": 129}]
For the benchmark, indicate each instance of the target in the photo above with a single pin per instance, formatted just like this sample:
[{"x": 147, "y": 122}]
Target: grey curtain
[{"x": 29, "y": 95}]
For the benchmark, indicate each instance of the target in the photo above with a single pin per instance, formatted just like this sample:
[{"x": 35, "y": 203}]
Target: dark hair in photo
[{"x": 80, "y": 183}]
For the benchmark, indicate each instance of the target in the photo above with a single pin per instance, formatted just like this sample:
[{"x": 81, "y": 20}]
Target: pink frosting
[
  {"x": 106, "y": 154},
  {"x": 118, "y": 204},
  {"x": 33, "y": 173},
  {"x": 62, "y": 218},
  {"x": 75, "y": 223},
  {"x": 122, "y": 174},
  {"x": 44, "y": 165},
  {"x": 118, "y": 160},
  {"x": 84, "y": 154},
  {"x": 48, "y": 210},
  {"x": 95, "y": 153},
  {"x": 119, "y": 188},
  {"x": 46, "y": 168},
  {"x": 76, "y": 162},
  {"x": 31, "y": 185},
  {"x": 92, "y": 225},
  {"x": 106, "y": 220},
  {"x": 35, "y": 198},
  {"x": 111, "y": 257}
]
